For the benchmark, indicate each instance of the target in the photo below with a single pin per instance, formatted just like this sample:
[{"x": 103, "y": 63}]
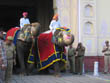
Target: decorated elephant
[
  {"x": 41, "y": 50},
  {"x": 51, "y": 48},
  {"x": 24, "y": 39}
]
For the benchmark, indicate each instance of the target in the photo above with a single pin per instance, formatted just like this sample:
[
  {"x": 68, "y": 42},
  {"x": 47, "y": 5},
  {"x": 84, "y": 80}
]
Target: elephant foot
[
  {"x": 23, "y": 74},
  {"x": 33, "y": 72},
  {"x": 57, "y": 75}
]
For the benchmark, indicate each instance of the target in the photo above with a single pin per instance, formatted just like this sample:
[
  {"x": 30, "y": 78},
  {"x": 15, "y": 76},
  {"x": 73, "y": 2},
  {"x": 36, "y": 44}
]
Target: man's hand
[
  {"x": 107, "y": 48},
  {"x": 14, "y": 61},
  {"x": 3, "y": 67}
]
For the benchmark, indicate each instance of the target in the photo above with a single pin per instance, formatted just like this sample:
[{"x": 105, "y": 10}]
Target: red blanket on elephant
[
  {"x": 13, "y": 32},
  {"x": 48, "y": 53},
  {"x": 45, "y": 46}
]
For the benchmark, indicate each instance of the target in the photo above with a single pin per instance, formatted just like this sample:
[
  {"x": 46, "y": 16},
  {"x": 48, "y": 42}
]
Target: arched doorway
[{"x": 39, "y": 10}]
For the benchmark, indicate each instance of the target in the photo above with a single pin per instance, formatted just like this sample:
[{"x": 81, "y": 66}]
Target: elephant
[
  {"x": 51, "y": 48},
  {"x": 24, "y": 39},
  {"x": 40, "y": 49}
]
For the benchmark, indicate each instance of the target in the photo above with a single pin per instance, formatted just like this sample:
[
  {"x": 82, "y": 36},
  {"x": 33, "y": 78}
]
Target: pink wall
[{"x": 89, "y": 62}]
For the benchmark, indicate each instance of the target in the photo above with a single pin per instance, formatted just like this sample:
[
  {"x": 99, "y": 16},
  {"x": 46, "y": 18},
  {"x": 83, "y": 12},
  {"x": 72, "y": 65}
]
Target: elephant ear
[
  {"x": 57, "y": 32},
  {"x": 55, "y": 36},
  {"x": 58, "y": 38}
]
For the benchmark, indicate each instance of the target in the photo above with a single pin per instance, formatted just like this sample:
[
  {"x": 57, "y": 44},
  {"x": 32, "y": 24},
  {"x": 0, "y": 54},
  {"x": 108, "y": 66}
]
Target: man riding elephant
[{"x": 51, "y": 49}]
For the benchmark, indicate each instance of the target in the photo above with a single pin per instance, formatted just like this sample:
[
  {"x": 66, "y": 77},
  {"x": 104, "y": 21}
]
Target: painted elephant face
[
  {"x": 63, "y": 37},
  {"x": 35, "y": 29},
  {"x": 68, "y": 38},
  {"x": 29, "y": 31}
]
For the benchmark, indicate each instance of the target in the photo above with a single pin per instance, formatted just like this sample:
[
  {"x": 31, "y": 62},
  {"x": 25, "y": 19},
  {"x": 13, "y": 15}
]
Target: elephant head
[
  {"x": 63, "y": 37},
  {"x": 29, "y": 32},
  {"x": 35, "y": 29}
]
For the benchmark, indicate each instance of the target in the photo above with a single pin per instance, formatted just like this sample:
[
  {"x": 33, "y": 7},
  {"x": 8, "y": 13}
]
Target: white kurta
[
  {"x": 24, "y": 21},
  {"x": 53, "y": 25}
]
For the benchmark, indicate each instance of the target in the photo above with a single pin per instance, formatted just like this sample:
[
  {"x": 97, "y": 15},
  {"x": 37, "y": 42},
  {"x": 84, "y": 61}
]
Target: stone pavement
[
  {"x": 104, "y": 77},
  {"x": 66, "y": 78}
]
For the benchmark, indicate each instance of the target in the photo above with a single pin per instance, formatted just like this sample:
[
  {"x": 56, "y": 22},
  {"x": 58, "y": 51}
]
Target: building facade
[{"x": 89, "y": 22}]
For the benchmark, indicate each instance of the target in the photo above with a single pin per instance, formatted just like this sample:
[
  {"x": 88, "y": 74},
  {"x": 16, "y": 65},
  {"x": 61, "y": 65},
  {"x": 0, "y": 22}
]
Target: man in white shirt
[
  {"x": 54, "y": 23},
  {"x": 24, "y": 20}
]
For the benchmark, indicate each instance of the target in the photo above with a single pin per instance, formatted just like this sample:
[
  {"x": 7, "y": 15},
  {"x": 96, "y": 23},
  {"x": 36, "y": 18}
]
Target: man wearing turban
[
  {"x": 11, "y": 56},
  {"x": 54, "y": 23},
  {"x": 24, "y": 20}
]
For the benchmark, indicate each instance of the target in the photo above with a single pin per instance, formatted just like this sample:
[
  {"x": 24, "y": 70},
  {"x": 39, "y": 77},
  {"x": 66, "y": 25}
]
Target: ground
[{"x": 66, "y": 78}]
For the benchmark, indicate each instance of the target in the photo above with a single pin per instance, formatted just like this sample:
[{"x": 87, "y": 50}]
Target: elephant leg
[
  {"x": 57, "y": 69},
  {"x": 21, "y": 57},
  {"x": 27, "y": 66},
  {"x": 31, "y": 69},
  {"x": 21, "y": 61}
]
